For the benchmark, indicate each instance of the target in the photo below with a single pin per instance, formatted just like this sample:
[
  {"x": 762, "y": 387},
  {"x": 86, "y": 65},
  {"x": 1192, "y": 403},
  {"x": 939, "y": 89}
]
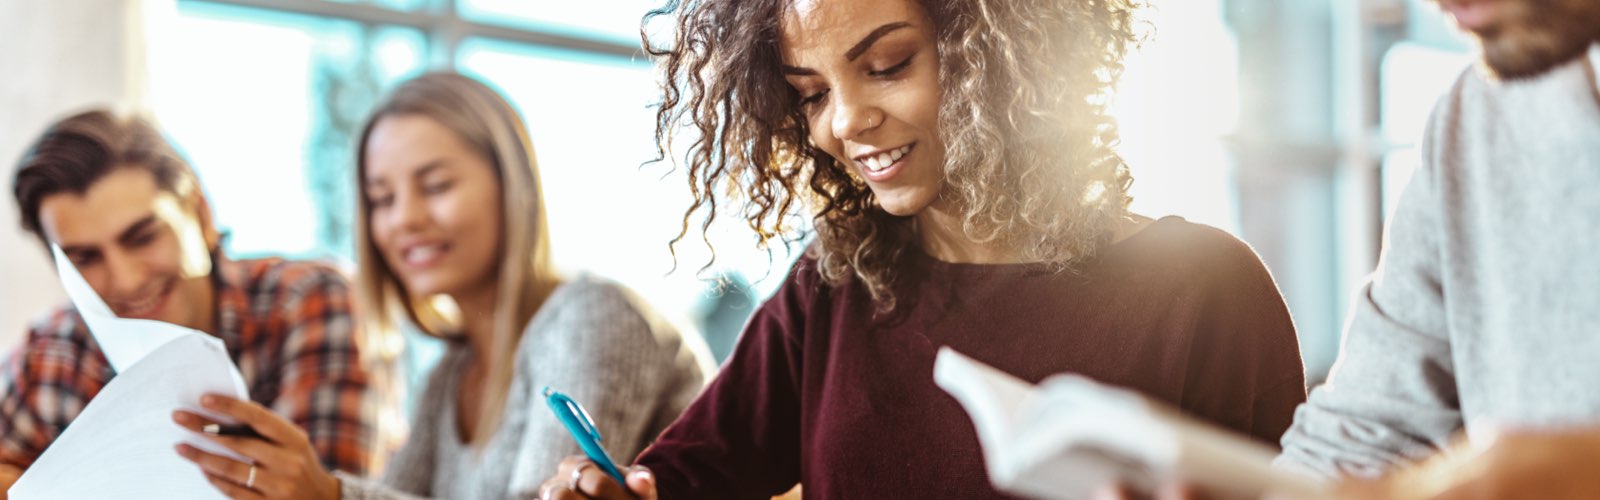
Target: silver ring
[
  {"x": 572, "y": 482},
  {"x": 250, "y": 481}
]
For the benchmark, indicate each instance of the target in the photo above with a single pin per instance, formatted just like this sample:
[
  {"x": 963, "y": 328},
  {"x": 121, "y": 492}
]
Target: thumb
[
  {"x": 1179, "y": 491},
  {"x": 641, "y": 482}
]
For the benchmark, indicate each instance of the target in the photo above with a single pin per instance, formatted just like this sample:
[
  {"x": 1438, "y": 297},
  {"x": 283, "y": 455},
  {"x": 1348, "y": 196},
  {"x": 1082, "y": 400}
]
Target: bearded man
[{"x": 1470, "y": 362}]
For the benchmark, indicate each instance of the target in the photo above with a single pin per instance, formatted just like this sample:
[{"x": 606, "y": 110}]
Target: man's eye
[{"x": 142, "y": 239}]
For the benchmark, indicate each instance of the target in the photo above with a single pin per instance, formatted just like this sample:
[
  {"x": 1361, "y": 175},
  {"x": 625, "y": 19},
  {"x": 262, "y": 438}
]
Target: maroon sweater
[{"x": 819, "y": 391}]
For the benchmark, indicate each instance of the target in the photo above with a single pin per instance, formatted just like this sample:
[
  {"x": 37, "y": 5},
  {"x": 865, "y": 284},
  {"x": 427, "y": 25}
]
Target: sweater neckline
[{"x": 921, "y": 261}]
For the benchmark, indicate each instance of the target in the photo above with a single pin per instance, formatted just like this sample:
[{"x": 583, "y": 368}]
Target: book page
[{"x": 1070, "y": 435}]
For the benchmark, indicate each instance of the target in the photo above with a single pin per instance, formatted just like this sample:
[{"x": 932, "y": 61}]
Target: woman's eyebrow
[
  {"x": 854, "y": 52},
  {"x": 871, "y": 38}
]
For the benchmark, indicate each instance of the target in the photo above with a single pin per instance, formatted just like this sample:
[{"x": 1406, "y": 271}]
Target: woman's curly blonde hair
[{"x": 1029, "y": 158}]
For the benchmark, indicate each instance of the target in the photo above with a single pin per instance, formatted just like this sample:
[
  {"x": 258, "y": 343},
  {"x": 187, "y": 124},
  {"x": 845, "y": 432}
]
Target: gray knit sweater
[
  {"x": 593, "y": 341},
  {"x": 1485, "y": 309}
]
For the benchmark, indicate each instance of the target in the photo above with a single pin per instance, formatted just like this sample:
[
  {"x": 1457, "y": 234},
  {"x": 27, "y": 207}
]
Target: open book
[{"x": 1070, "y": 435}]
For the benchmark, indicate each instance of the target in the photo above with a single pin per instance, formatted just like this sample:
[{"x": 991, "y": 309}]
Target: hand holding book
[{"x": 1070, "y": 436}]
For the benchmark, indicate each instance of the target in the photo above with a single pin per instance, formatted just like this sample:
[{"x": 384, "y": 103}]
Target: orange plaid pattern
[{"x": 287, "y": 325}]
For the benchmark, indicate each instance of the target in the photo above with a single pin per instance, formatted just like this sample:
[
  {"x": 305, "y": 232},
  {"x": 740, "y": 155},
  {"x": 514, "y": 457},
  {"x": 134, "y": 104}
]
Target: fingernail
[
  {"x": 643, "y": 475},
  {"x": 1106, "y": 492},
  {"x": 208, "y": 400},
  {"x": 183, "y": 450},
  {"x": 1173, "y": 490}
]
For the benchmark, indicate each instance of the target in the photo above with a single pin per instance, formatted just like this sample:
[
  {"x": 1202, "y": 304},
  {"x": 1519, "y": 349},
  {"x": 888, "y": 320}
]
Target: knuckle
[
  {"x": 220, "y": 484},
  {"x": 588, "y": 484},
  {"x": 278, "y": 490}
]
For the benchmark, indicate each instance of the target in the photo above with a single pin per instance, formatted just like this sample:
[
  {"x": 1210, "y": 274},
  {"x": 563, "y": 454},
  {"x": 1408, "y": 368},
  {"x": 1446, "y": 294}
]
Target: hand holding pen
[
  {"x": 594, "y": 475},
  {"x": 580, "y": 478},
  {"x": 280, "y": 462}
]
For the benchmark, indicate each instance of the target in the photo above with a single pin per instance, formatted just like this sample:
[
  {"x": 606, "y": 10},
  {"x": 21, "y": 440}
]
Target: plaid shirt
[{"x": 287, "y": 325}]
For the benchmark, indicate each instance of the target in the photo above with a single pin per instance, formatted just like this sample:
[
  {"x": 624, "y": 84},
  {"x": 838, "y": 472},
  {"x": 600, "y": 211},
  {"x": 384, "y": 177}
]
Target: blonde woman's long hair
[{"x": 491, "y": 126}]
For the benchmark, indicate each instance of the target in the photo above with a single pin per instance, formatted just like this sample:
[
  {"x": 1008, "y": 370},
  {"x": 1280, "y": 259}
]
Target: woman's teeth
[
  {"x": 422, "y": 253},
  {"x": 885, "y": 159}
]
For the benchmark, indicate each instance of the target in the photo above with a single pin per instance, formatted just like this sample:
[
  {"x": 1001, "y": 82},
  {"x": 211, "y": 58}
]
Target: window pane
[
  {"x": 1172, "y": 134},
  {"x": 1413, "y": 78},
  {"x": 613, "y": 20},
  {"x": 266, "y": 105},
  {"x": 591, "y": 128},
  {"x": 392, "y": 4}
]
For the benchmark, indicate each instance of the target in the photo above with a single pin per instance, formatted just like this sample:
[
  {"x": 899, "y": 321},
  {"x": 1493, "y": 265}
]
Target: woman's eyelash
[
  {"x": 813, "y": 98},
  {"x": 893, "y": 69},
  {"x": 889, "y": 71}
]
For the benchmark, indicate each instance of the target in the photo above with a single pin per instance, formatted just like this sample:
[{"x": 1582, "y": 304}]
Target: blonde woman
[
  {"x": 451, "y": 213},
  {"x": 956, "y": 160}
]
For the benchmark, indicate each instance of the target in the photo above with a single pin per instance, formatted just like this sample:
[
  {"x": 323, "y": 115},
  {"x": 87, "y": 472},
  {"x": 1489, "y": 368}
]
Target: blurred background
[{"x": 1289, "y": 123}]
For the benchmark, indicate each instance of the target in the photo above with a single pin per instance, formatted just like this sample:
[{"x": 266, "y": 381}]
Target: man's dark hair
[{"x": 79, "y": 150}]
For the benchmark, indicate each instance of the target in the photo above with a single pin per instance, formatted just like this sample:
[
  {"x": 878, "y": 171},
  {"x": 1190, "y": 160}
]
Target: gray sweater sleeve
[
  {"x": 1391, "y": 397},
  {"x": 357, "y": 488},
  {"x": 409, "y": 473},
  {"x": 594, "y": 341},
  {"x": 614, "y": 356}
]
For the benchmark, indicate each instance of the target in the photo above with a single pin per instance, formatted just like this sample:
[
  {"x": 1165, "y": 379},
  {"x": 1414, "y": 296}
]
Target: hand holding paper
[{"x": 122, "y": 444}]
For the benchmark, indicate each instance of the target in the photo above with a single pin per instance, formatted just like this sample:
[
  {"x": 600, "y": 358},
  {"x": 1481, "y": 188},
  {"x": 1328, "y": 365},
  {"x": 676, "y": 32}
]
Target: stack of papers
[
  {"x": 123, "y": 444},
  {"x": 1071, "y": 435}
]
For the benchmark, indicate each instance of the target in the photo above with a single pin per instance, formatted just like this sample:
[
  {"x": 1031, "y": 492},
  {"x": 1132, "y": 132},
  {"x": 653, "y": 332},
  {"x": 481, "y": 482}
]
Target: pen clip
[
  {"x": 583, "y": 418},
  {"x": 576, "y": 412}
]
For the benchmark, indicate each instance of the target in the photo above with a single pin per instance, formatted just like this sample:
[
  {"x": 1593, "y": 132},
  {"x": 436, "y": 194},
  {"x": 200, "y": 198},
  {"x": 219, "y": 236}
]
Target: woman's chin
[
  {"x": 899, "y": 210},
  {"x": 906, "y": 205}
]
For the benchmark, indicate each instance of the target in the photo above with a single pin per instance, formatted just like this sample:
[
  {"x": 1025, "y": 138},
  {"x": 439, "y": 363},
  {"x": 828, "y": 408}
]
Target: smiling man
[{"x": 128, "y": 212}]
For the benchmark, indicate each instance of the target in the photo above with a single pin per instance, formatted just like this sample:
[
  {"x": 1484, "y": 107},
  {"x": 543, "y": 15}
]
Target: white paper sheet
[
  {"x": 124, "y": 341},
  {"x": 123, "y": 444},
  {"x": 1070, "y": 435}
]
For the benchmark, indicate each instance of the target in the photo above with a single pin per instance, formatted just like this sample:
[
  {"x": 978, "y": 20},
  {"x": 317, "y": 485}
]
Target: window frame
[{"x": 442, "y": 26}]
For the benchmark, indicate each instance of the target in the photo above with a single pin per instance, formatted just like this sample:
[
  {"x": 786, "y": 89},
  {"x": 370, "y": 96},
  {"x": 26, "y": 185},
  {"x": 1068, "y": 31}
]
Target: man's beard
[{"x": 1535, "y": 36}]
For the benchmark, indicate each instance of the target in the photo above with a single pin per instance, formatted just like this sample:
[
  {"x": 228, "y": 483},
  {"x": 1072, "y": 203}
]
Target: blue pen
[{"x": 578, "y": 423}]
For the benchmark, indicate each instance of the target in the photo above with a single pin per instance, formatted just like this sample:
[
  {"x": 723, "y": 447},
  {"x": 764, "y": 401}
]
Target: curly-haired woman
[{"x": 957, "y": 160}]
